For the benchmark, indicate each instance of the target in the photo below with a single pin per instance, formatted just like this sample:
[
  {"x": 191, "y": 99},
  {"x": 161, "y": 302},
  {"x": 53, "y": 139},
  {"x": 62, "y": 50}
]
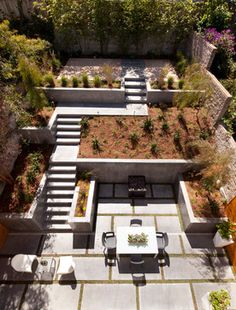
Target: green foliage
[
  {"x": 64, "y": 81},
  {"x": 56, "y": 64},
  {"x": 226, "y": 229},
  {"x": 97, "y": 81},
  {"x": 34, "y": 160},
  {"x": 96, "y": 145},
  {"x": 154, "y": 148},
  {"x": 181, "y": 84},
  {"x": 75, "y": 81},
  {"x": 148, "y": 125},
  {"x": 181, "y": 63},
  {"x": 85, "y": 175},
  {"x": 165, "y": 127},
  {"x": 48, "y": 80},
  {"x": 107, "y": 71},
  {"x": 170, "y": 82},
  {"x": 134, "y": 138},
  {"x": 85, "y": 80},
  {"x": 84, "y": 125},
  {"x": 220, "y": 300}
]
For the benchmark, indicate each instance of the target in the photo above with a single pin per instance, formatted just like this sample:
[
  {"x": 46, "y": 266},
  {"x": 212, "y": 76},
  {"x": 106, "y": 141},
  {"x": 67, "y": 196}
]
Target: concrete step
[
  {"x": 72, "y": 120},
  {"x": 60, "y": 177},
  {"x": 134, "y": 84},
  {"x": 59, "y": 202},
  {"x": 135, "y": 78},
  {"x": 73, "y": 134},
  {"x": 136, "y": 99},
  {"x": 68, "y": 127},
  {"x": 135, "y": 92},
  {"x": 64, "y": 169},
  {"x": 58, "y": 193},
  {"x": 58, "y": 210},
  {"x": 61, "y": 185},
  {"x": 57, "y": 218},
  {"x": 70, "y": 141},
  {"x": 57, "y": 228}
]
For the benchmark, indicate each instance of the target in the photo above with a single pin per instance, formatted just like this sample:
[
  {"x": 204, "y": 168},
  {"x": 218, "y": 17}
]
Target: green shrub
[
  {"x": 181, "y": 84},
  {"x": 226, "y": 229},
  {"x": 85, "y": 80},
  {"x": 177, "y": 137},
  {"x": 49, "y": 80},
  {"x": 181, "y": 63},
  {"x": 148, "y": 125},
  {"x": 75, "y": 81},
  {"x": 64, "y": 81},
  {"x": 154, "y": 148},
  {"x": 97, "y": 81},
  {"x": 134, "y": 138},
  {"x": 165, "y": 127},
  {"x": 96, "y": 145},
  {"x": 56, "y": 64},
  {"x": 170, "y": 82},
  {"x": 84, "y": 123},
  {"x": 85, "y": 175},
  {"x": 220, "y": 300}
]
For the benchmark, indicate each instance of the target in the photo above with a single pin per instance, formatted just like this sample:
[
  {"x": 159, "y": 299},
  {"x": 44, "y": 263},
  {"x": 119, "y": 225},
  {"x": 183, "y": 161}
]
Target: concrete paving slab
[
  {"x": 103, "y": 224},
  {"x": 189, "y": 268},
  {"x": 109, "y": 296},
  {"x": 162, "y": 191},
  {"x": 125, "y": 220},
  {"x": 165, "y": 297},
  {"x": 121, "y": 190},
  {"x": 115, "y": 206},
  {"x": 51, "y": 297},
  {"x": 155, "y": 206},
  {"x": 201, "y": 290},
  {"x": 105, "y": 190},
  {"x": 174, "y": 246},
  {"x": 11, "y": 296},
  {"x": 222, "y": 267},
  {"x": 65, "y": 153},
  {"x": 20, "y": 243},
  {"x": 169, "y": 224},
  {"x": 65, "y": 243}
]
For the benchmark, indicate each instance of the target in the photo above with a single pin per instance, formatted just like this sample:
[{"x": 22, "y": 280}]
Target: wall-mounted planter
[
  {"x": 193, "y": 224},
  {"x": 164, "y": 96},
  {"x": 86, "y": 95},
  {"x": 85, "y": 223},
  {"x": 220, "y": 242}
]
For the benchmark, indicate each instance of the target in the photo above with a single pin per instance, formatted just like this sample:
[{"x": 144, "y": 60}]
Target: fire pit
[{"x": 137, "y": 186}]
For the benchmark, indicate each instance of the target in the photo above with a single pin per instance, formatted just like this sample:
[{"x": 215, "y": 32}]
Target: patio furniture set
[{"x": 146, "y": 241}]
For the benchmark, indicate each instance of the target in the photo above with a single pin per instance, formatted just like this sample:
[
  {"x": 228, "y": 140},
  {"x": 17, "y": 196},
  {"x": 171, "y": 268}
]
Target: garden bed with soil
[
  {"x": 42, "y": 117},
  {"x": 165, "y": 136},
  {"x": 27, "y": 173},
  {"x": 204, "y": 203},
  {"x": 82, "y": 198}
]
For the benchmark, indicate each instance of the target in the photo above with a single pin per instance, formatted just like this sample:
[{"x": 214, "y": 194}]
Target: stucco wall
[
  {"x": 220, "y": 100},
  {"x": 226, "y": 142},
  {"x": 201, "y": 51}
]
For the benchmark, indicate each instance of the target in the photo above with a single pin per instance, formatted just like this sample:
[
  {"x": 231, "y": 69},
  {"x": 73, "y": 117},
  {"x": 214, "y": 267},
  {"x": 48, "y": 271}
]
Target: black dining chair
[
  {"x": 162, "y": 242},
  {"x": 136, "y": 222},
  {"x": 136, "y": 259}
]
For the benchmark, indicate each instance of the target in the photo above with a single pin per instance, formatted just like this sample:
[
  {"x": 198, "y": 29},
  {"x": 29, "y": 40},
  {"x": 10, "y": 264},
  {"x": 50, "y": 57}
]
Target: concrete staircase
[
  {"x": 135, "y": 90},
  {"x": 68, "y": 129},
  {"x": 58, "y": 197}
]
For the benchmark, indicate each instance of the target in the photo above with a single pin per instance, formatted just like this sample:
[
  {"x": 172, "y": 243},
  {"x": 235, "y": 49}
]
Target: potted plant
[
  {"x": 219, "y": 300},
  {"x": 224, "y": 233}
]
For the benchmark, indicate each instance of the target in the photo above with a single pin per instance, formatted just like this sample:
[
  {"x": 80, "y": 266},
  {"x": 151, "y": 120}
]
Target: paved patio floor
[{"x": 194, "y": 267}]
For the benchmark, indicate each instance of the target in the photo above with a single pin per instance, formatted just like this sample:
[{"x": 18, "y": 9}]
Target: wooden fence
[{"x": 231, "y": 249}]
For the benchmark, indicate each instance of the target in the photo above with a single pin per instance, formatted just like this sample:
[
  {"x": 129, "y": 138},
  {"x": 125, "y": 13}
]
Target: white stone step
[
  {"x": 135, "y": 78},
  {"x": 56, "y": 169},
  {"x": 59, "y": 202},
  {"x": 70, "y": 141},
  {"x": 59, "y": 210},
  {"x": 135, "y": 92},
  {"x": 59, "y": 192},
  {"x": 135, "y": 99},
  {"x": 61, "y": 184},
  {"x": 72, "y": 120},
  {"x": 134, "y": 84},
  {"x": 68, "y": 127},
  {"x": 65, "y": 134},
  {"x": 58, "y": 227},
  {"x": 57, "y": 176},
  {"x": 57, "y": 218}
]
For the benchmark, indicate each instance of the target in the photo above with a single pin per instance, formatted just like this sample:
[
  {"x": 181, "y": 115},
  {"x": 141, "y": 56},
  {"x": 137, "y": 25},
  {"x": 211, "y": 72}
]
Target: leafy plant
[
  {"x": 181, "y": 84},
  {"x": 220, "y": 300},
  {"x": 85, "y": 80},
  {"x": 154, "y": 148},
  {"x": 170, "y": 82},
  {"x": 120, "y": 121},
  {"x": 107, "y": 71},
  {"x": 226, "y": 229},
  {"x": 134, "y": 138},
  {"x": 97, "y": 81},
  {"x": 148, "y": 125},
  {"x": 75, "y": 81},
  {"x": 96, "y": 145},
  {"x": 85, "y": 175},
  {"x": 181, "y": 63},
  {"x": 177, "y": 137},
  {"x": 64, "y": 81},
  {"x": 163, "y": 73},
  {"x": 214, "y": 206},
  {"x": 138, "y": 238},
  {"x": 49, "y": 80},
  {"x": 165, "y": 127}
]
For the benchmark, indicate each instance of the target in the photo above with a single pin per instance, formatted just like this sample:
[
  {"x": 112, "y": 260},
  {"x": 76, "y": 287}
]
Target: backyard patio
[{"x": 195, "y": 266}]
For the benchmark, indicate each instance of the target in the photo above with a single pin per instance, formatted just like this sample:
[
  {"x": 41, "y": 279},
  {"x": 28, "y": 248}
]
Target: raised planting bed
[
  {"x": 193, "y": 223},
  {"x": 164, "y": 134},
  {"x": 83, "y": 206},
  {"x": 27, "y": 173}
]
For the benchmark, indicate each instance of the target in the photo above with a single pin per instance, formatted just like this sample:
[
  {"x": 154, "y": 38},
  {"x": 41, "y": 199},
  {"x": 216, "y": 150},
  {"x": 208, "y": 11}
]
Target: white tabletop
[{"x": 123, "y": 246}]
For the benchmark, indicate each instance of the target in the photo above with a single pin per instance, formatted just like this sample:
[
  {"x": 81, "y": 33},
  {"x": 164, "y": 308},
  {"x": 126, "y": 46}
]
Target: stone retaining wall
[
  {"x": 201, "y": 51},
  {"x": 84, "y": 95},
  {"x": 226, "y": 142}
]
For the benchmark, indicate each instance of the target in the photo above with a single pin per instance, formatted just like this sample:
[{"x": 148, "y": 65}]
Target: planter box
[
  {"x": 164, "y": 96},
  {"x": 86, "y": 95},
  {"x": 193, "y": 224},
  {"x": 29, "y": 221},
  {"x": 220, "y": 242},
  {"x": 85, "y": 223}
]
